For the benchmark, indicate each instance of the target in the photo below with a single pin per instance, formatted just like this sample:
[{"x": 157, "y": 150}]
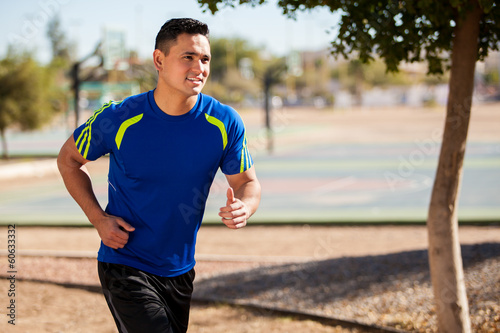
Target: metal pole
[{"x": 76, "y": 90}]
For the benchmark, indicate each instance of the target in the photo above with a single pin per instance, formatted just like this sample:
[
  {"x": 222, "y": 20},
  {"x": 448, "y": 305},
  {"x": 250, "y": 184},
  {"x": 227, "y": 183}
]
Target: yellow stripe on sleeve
[
  {"x": 85, "y": 137},
  {"x": 245, "y": 156}
]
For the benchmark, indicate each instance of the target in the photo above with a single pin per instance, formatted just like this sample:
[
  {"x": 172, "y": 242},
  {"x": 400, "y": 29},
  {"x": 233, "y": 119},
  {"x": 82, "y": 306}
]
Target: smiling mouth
[{"x": 195, "y": 80}]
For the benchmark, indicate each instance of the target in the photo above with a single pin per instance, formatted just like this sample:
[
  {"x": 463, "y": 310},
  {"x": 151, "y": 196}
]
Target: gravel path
[{"x": 390, "y": 290}]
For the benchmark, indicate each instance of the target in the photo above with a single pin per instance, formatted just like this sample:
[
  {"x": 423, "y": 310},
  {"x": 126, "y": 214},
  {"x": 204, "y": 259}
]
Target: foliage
[
  {"x": 60, "y": 47},
  {"x": 492, "y": 77},
  {"x": 28, "y": 98},
  {"x": 374, "y": 74},
  {"x": 228, "y": 53},
  {"x": 396, "y": 31},
  {"x": 227, "y": 82},
  {"x": 144, "y": 73},
  {"x": 213, "y": 6}
]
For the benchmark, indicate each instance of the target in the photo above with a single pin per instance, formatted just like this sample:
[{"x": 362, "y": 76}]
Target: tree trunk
[
  {"x": 5, "y": 153},
  {"x": 445, "y": 258},
  {"x": 268, "y": 82}
]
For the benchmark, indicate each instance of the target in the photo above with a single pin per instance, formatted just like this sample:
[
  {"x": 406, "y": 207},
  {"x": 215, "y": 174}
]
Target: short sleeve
[
  {"x": 237, "y": 158},
  {"x": 91, "y": 137}
]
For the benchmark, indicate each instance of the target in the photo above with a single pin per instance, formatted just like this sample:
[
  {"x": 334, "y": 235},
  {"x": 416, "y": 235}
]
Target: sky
[{"x": 24, "y": 23}]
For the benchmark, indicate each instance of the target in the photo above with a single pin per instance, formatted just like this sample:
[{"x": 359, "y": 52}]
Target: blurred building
[
  {"x": 119, "y": 74},
  {"x": 318, "y": 79}
]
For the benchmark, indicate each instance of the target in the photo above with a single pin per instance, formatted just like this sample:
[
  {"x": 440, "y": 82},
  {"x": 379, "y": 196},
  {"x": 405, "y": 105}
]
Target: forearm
[
  {"x": 113, "y": 230},
  {"x": 77, "y": 181},
  {"x": 249, "y": 193},
  {"x": 79, "y": 186}
]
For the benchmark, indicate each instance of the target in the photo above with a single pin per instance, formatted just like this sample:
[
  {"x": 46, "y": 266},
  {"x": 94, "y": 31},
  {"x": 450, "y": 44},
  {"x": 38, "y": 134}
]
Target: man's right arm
[{"x": 112, "y": 230}]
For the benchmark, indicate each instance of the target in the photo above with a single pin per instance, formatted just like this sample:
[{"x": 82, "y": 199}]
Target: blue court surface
[
  {"x": 376, "y": 182},
  {"x": 370, "y": 183}
]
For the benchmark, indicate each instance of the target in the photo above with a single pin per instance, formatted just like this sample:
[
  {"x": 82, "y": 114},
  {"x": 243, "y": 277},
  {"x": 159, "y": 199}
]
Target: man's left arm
[{"x": 243, "y": 198}]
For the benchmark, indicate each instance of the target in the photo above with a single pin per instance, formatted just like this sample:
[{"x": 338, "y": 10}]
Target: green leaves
[
  {"x": 396, "y": 31},
  {"x": 215, "y": 5},
  {"x": 26, "y": 92}
]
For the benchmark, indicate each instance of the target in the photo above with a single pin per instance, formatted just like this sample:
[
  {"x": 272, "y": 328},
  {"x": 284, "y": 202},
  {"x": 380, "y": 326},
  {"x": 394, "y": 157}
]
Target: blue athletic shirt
[{"x": 161, "y": 169}]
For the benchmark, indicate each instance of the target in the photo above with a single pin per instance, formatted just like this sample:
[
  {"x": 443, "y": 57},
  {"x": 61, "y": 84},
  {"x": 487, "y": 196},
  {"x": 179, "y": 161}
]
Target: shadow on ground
[{"x": 367, "y": 288}]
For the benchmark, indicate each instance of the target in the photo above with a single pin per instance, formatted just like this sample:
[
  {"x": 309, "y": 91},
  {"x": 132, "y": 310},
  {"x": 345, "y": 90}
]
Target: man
[{"x": 165, "y": 147}]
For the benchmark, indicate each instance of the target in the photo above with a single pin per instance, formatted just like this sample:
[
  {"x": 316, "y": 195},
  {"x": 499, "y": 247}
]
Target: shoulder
[
  {"x": 136, "y": 100},
  {"x": 117, "y": 111},
  {"x": 212, "y": 107},
  {"x": 133, "y": 104}
]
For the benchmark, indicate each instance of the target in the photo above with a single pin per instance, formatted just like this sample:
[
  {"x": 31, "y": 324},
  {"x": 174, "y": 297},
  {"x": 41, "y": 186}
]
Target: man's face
[{"x": 186, "y": 67}]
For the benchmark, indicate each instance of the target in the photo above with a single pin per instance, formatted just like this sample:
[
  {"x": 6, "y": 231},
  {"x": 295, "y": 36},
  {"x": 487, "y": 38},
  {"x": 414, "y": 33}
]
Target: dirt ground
[
  {"x": 44, "y": 307},
  {"x": 50, "y": 308}
]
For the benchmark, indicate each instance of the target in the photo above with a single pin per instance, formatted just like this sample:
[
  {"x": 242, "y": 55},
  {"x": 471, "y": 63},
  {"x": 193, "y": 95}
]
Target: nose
[{"x": 200, "y": 67}]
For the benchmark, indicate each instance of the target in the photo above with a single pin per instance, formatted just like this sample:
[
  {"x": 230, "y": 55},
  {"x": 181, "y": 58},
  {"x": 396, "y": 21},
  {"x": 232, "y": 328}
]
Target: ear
[{"x": 158, "y": 58}]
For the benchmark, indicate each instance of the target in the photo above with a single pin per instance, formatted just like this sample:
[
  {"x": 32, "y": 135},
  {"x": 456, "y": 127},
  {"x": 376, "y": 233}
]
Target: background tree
[
  {"x": 273, "y": 74},
  {"x": 59, "y": 68},
  {"x": 227, "y": 82},
  {"x": 59, "y": 45},
  {"x": 31, "y": 94},
  {"x": 431, "y": 31},
  {"x": 143, "y": 72},
  {"x": 356, "y": 71},
  {"x": 27, "y": 97}
]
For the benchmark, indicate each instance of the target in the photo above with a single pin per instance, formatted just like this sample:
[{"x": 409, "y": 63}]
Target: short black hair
[{"x": 175, "y": 27}]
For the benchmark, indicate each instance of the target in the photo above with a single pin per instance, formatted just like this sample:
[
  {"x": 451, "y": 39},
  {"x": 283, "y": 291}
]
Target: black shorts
[{"x": 144, "y": 302}]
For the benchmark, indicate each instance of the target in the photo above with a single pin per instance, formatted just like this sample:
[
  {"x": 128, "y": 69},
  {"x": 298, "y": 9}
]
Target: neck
[{"x": 174, "y": 106}]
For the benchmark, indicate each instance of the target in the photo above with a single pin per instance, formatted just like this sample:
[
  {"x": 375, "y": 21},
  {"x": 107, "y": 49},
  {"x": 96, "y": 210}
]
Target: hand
[
  {"x": 114, "y": 231},
  {"x": 235, "y": 214}
]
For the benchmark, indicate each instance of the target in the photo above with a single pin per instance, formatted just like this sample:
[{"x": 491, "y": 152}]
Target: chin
[{"x": 197, "y": 90}]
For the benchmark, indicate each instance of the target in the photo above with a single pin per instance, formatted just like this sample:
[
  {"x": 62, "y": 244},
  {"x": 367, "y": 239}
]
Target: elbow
[
  {"x": 59, "y": 162},
  {"x": 64, "y": 161},
  {"x": 69, "y": 158}
]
